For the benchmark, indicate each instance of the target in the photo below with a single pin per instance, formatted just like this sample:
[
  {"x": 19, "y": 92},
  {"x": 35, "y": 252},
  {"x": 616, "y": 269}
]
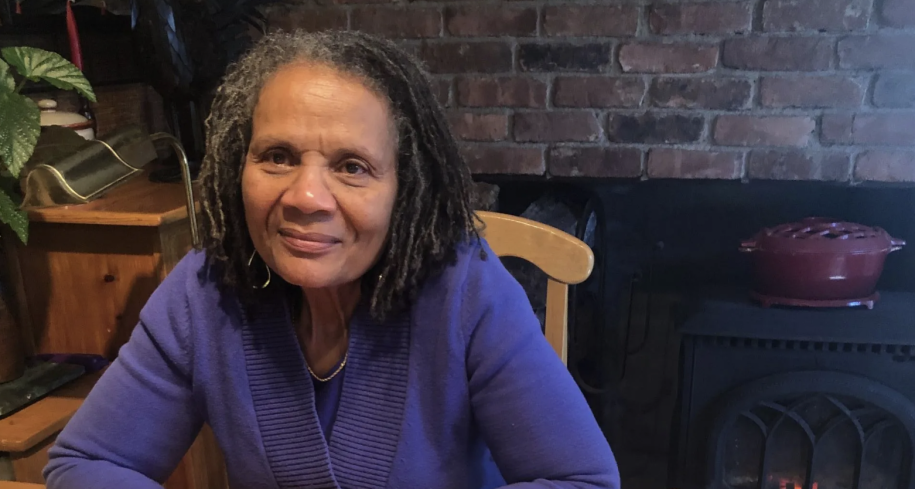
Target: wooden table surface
[
  {"x": 19, "y": 485},
  {"x": 137, "y": 202},
  {"x": 31, "y": 425}
]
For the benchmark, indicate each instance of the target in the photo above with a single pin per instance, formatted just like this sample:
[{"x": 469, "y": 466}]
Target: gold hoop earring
[{"x": 269, "y": 275}]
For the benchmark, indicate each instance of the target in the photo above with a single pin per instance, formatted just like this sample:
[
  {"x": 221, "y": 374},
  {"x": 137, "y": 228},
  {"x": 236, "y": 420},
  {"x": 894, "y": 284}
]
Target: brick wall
[{"x": 734, "y": 89}]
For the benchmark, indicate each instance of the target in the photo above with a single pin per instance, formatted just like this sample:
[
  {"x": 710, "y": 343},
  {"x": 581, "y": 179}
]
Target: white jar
[{"x": 50, "y": 116}]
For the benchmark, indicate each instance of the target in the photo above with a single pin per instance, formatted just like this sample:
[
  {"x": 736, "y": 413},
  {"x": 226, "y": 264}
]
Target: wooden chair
[{"x": 565, "y": 260}]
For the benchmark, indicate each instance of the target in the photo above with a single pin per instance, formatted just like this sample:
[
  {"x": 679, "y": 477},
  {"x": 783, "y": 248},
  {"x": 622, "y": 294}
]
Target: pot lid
[
  {"x": 50, "y": 116},
  {"x": 823, "y": 235}
]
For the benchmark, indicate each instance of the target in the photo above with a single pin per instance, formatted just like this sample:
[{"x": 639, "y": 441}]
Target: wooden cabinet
[
  {"x": 89, "y": 269},
  {"x": 82, "y": 280}
]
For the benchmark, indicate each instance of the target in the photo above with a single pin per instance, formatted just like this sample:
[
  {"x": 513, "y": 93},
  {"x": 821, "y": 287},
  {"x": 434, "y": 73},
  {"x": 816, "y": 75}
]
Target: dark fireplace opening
[
  {"x": 813, "y": 440},
  {"x": 664, "y": 337},
  {"x": 771, "y": 398}
]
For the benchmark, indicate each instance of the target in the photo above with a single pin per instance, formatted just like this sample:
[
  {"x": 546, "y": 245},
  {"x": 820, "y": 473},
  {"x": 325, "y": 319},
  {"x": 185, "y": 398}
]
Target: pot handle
[
  {"x": 749, "y": 246},
  {"x": 896, "y": 244}
]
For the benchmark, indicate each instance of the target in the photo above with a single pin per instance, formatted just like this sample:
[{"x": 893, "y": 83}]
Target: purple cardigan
[{"x": 429, "y": 399}]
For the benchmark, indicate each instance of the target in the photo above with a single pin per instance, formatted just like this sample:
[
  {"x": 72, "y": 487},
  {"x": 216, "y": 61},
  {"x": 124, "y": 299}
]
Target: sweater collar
[{"x": 370, "y": 415}]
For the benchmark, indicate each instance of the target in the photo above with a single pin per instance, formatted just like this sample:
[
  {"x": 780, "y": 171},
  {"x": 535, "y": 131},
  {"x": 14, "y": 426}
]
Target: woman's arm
[
  {"x": 140, "y": 419},
  {"x": 533, "y": 416}
]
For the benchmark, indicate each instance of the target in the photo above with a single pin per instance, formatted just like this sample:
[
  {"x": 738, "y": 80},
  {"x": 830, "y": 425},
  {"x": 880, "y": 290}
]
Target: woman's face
[{"x": 320, "y": 176}]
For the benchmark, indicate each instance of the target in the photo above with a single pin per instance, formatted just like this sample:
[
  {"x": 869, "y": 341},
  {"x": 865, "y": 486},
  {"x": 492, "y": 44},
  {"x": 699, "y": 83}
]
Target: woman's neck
[{"x": 323, "y": 324}]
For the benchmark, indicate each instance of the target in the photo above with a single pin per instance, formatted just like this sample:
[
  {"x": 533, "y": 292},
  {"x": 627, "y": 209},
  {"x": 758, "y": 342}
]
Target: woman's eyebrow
[{"x": 267, "y": 141}]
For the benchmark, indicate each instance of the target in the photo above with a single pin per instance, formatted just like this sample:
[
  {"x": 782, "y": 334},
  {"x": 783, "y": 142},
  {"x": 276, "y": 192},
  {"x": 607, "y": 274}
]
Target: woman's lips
[{"x": 308, "y": 242}]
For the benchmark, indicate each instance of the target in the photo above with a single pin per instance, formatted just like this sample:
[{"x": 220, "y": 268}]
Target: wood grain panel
[
  {"x": 19, "y": 485},
  {"x": 137, "y": 202},
  {"x": 12, "y": 278},
  {"x": 12, "y": 363},
  {"x": 28, "y": 465},
  {"x": 85, "y": 285},
  {"x": 24, "y": 429},
  {"x": 203, "y": 467}
]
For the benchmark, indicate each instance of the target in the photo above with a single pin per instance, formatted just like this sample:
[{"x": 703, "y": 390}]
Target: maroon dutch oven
[{"x": 819, "y": 259}]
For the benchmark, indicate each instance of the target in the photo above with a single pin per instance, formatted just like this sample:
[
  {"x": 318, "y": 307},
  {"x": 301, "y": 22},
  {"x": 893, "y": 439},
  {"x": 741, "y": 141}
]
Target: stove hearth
[{"x": 791, "y": 398}]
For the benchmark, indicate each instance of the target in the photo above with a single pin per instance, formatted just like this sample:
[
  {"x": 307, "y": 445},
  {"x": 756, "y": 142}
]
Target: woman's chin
[{"x": 309, "y": 279}]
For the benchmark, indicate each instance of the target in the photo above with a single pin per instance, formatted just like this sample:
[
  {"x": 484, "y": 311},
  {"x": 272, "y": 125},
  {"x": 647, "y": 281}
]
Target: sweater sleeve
[
  {"x": 140, "y": 419},
  {"x": 531, "y": 413}
]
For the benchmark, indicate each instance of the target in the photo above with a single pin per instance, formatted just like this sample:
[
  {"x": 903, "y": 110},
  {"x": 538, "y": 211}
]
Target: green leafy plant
[{"x": 20, "y": 118}]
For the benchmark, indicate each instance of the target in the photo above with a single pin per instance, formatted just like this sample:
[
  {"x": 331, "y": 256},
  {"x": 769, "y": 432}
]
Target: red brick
[
  {"x": 700, "y": 93},
  {"x": 595, "y": 162},
  {"x": 877, "y": 51},
  {"x": 479, "y": 127},
  {"x": 441, "y": 88},
  {"x": 289, "y": 18},
  {"x": 897, "y": 13},
  {"x": 654, "y": 128},
  {"x": 668, "y": 58},
  {"x": 778, "y": 53},
  {"x": 590, "y": 20},
  {"x": 798, "y": 165},
  {"x": 507, "y": 160},
  {"x": 815, "y": 15},
  {"x": 598, "y": 91},
  {"x": 467, "y": 57},
  {"x": 701, "y": 18},
  {"x": 579, "y": 126},
  {"x": 490, "y": 20},
  {"x": 836, "y": 128},
  {"x": 747, "y": 130},
  {"x": 682, "y": 163},
  {"x": 885, "y": 166},
  {"x": 564, "y": 56},
  {"x": 398, "y": 22},
  {"x": 812, "y": 91},
  {"x": 501, "y": 92},
  {"x": 895, "y": 90},
  {"x": 898, "y": 129}
]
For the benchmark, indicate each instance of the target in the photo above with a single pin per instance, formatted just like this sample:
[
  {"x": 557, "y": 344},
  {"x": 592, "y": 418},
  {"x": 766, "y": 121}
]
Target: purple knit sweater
[{"x": 429, "y": 399}]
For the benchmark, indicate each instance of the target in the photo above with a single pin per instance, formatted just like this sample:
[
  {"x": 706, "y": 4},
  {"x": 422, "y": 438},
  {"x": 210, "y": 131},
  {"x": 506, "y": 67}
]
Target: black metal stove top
[{"x": 732, "y": 314}]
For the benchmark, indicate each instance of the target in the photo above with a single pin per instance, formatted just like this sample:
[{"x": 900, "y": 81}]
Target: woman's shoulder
[
  {"x": 193, "y": 274},
  {"x": 191, "y": 284},
  {"x": 476, "y": 283}
]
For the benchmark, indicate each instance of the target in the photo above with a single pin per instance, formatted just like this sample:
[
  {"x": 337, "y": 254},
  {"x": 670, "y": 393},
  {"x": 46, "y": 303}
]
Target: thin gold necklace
[{"x": 334, "y": 374}]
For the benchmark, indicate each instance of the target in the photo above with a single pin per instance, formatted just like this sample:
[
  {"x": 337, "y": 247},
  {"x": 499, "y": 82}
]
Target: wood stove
[{"x": 778, "y": 398}]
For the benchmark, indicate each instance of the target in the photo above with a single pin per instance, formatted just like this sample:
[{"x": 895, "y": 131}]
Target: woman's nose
[{"x": 309, "y": 191}]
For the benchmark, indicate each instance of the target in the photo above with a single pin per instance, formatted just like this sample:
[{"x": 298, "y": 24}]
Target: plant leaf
[
  {"x": 38, "y": 64},
  {"x": 10, "y": 214},
  {"x": 7, "y": 83},
  {"x": 20, "y": 124}
]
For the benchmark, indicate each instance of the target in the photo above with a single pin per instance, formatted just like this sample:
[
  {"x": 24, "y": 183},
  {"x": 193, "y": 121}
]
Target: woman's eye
[
  {"x": 353, "y": 168},
  {"x": 277, "y": 158}
]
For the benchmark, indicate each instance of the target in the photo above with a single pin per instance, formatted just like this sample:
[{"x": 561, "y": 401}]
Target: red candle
[{"x": 76, "y": 55}]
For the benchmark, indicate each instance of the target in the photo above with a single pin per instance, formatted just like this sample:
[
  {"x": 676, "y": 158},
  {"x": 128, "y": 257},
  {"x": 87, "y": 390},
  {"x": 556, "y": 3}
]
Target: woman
[{"x": 344, "y": 325}]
